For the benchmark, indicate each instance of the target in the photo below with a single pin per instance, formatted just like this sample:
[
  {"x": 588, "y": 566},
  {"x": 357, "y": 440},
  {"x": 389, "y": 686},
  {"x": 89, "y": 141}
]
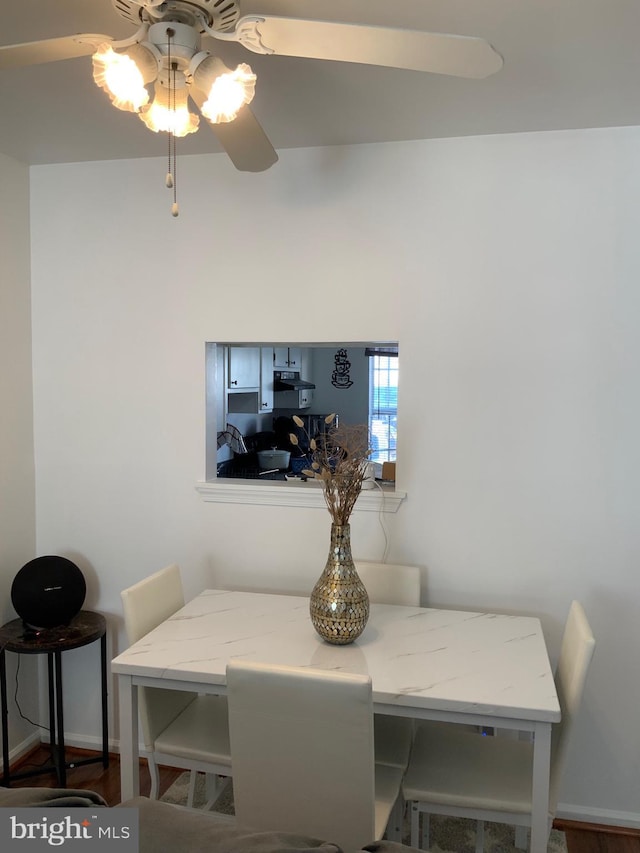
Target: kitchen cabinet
[
  {"x": 305, "y": 398},
  {"x": 243, "y": 371},
  {"x": 265, "y": 402},
  {"x": 287, "y": 358},
  {"x": 294, "y": 399},
  {"x": 306, "y": 364}
]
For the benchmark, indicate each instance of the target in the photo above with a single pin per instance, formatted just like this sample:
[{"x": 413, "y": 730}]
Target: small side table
[{"x": 15, "y": 636}]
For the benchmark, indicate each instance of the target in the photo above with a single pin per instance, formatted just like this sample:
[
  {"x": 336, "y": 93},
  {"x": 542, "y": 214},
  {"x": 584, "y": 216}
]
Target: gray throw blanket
[
  {"x": 167, "y": 828},
  {"x": 66, "y": 798}
]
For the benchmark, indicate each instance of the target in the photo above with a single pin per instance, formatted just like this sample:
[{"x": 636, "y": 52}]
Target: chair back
[
  {"x": 145, "y": 605},
  {"x": 302, "y": 751},
  {"x": 576, "y": 651},
  {"x": 390, "y": 584}
]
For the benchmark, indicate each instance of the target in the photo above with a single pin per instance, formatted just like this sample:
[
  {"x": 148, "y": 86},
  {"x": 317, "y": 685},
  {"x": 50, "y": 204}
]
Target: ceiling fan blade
[
  {"x": 243, "y": 139},
  {"x": 437, "y": 53},
  {"x": 50, "y": 50}
]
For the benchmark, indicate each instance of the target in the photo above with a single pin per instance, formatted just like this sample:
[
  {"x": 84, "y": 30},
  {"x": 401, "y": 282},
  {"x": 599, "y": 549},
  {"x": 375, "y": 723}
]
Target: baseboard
[
  {"x": 25, "y": 746},
  {"x": 92, "y": 743},
  {"x": 603, "y": 817},
  {"x": 85, "y": 742}
]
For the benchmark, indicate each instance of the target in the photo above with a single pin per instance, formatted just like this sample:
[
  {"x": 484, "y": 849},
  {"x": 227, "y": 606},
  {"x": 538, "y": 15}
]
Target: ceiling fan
[{"x": 166, "y": 53}]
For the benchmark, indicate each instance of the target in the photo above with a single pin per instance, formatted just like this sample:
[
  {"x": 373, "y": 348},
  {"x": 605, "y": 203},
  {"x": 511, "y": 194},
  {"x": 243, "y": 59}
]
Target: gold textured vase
[{"x": 339, "y": 603}]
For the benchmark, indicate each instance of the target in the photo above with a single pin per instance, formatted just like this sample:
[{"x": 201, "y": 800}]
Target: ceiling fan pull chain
[
  {"x": 174, "y": 207},
  {"x": 172, "y": 141},
  {"x": 170, "y": 180}
]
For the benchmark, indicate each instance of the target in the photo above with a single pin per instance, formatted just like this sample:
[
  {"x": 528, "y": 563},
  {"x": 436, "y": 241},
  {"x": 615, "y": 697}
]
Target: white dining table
[{"x": 485, "y": 669}]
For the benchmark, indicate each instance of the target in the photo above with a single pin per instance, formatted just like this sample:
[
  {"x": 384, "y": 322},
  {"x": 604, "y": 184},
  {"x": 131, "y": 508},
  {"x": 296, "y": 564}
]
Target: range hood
[{"x": 289, "y": 380}]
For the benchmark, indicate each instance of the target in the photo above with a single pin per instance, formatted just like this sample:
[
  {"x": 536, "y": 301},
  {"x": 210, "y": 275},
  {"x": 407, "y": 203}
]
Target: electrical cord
[
  {"x": 15, "y": 699},
  {"x": 385, "y": 553},
  {"x": 24, "y": 717}
]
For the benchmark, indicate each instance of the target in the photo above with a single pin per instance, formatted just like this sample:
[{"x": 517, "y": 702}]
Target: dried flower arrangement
[{"x": 339, "y": 459}]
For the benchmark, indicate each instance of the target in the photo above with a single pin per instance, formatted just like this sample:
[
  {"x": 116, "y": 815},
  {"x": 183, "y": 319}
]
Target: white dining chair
[
  {"x": 179, "y": 728},
  {"x": 456, "y": 772},
  {"x": 303, "y": 758},
  {"x": 388, "y": 583}
]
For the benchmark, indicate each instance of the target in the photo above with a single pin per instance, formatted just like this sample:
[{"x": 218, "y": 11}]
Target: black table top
[{"x": 84, "y": 628}]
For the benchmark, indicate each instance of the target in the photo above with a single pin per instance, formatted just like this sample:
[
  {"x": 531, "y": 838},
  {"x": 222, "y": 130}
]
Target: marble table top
[{"x": 418, "y": 658}]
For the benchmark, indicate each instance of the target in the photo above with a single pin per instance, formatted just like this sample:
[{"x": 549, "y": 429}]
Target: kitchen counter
[{"x": 253, "y": 474}]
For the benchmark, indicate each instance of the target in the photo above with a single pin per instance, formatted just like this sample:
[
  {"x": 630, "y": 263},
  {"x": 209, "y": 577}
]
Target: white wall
[
  {"x": 507, "y": 269},
  {"x": 17, "y": 484}
]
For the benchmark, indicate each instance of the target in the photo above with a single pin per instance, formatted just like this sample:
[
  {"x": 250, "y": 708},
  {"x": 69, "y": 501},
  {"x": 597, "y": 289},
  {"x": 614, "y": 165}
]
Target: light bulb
[
  {"x": 160, "y": 116},
  {"x": 228, "y": 93},
  {"x": 121, "y": 78}
]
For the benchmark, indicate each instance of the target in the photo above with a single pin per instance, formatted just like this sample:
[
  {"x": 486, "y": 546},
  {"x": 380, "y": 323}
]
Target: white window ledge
[{"x": 275, "y": 493}]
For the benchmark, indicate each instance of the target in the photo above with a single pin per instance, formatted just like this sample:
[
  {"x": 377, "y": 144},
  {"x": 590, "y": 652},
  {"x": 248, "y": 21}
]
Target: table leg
[
  {"x": 61, "y": 766},
  {"x": 52, "y": 711},
  {"x": 105, "y": 708},
  {"x": 5, "y": 719},
  {"x": 129, "y": 756},
  {"x": 540, "y": 791}
]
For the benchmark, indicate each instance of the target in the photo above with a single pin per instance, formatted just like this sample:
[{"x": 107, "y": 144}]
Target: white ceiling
[{"x": 567, "y": 64}]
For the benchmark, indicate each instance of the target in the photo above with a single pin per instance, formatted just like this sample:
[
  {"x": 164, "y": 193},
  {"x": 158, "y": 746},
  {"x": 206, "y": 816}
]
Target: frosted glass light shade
[
  {"x": 159, "y": 116},
  {"x": 123, "y": 75},
  {"x": 227, "y": 91}
]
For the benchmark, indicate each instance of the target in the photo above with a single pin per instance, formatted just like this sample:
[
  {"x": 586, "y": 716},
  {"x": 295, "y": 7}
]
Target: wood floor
[
  {"x": 89, "y": 776},
  {"x": 581, "y": 837},
  {"x": 590, "y": 838}
]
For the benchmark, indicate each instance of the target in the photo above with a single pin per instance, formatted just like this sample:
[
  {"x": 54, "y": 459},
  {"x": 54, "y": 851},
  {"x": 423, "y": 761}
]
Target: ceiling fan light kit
[
  {"x": 170, "y": 55},
  {"x": 123, "y": 76},
  {"x": 169, "y": 111},
  {"x": 227, "y": 91},
  {"x": 166, "y": 52}
]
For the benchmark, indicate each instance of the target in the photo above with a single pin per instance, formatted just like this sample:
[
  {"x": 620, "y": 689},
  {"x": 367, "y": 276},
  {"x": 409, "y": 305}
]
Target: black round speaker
[{"x": 48, "y": 591}]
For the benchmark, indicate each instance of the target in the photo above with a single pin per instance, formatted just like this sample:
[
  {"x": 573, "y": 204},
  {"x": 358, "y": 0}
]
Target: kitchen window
[{"x": 383, "y": 404}]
